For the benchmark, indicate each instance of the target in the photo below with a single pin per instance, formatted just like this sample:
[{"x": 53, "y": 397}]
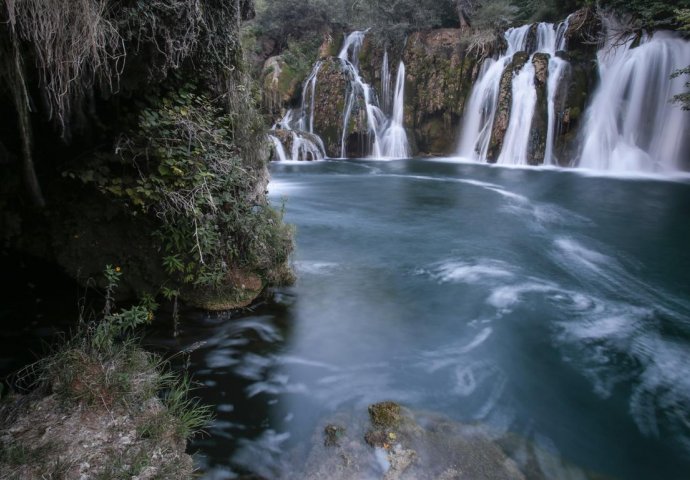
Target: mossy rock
[
  {"x": 441, "y": 71},
  {"x": 385, "y": 414},
  {"x": 240, "y": 289}
]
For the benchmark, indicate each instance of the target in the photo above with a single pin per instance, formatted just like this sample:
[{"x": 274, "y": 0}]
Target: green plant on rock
[{"x": 182, "y": 166}]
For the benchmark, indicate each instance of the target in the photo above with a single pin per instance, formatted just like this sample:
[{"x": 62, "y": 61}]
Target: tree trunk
[
  {"x": 465, "y": 10},
  {"x": 21, "y": 102}
]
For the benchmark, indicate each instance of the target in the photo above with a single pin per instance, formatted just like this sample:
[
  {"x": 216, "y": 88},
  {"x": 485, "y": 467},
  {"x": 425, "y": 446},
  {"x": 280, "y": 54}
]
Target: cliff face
[
  {"x": 442, "y": 67},
  {"x": 119, "y": 185},
  {"x": 579, "y": 83},
  {"x": 441, "y": 70}
]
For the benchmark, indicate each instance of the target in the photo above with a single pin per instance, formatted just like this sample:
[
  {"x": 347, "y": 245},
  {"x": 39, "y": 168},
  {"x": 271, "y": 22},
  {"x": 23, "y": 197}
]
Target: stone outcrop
[
  {"x": 333, "y": 84},
  {"x": 504, "y": 107},
  {"x": 441, "y": 70},
  {"x": 396, "y": 444},
  {"x": 579, "y": 81},
  {"x": 540, "y": 120},
  {"x": 281, "y": 85}
]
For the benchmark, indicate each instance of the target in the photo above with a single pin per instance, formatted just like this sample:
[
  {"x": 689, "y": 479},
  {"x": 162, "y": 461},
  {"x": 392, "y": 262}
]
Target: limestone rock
[
  {"x": 441, "y": 70},
  {"x": 539, "y": 127},
  {"x": 504, "y": 107}
]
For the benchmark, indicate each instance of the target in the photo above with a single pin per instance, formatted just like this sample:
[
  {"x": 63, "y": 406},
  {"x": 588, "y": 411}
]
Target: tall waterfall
[
  {"x": 303, "y": 147},
  {"x": 388, "y": 137},
  {"x": 481, "y": 110},
  {"x": 385, "y": 84},
  {"x": 349, "y": 54},
  {"x": 394, "y": 139},
  {"x": 631, "y": 124},
  {"x": 480, "y": 113}
]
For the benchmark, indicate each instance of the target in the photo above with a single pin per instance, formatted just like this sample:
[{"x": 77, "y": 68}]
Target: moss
[
  {"x": 239, "y": 290},
  {"x": 385, "y": 414}
]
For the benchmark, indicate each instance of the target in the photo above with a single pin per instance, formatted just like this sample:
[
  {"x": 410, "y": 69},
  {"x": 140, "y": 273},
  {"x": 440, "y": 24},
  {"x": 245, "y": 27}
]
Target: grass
[{"x": 101, "y": 382}]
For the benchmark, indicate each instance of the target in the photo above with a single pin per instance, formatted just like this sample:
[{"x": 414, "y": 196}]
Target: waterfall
[
  {"x": 303, "y": 146},
  {"x": 385, "y": 84},
  {"x": 631, "y": 123},
  {"x": 394, "y": 139},
  {"x": 387, "y": 136},
  {"x": 306, "y": 118},
  {"x": 305, "y": 149},
  {"x": 480, "y": 113},
  {"x": 280, "y": 151},
  {"x": 516, "y": 140},
  {"x": 349, "y": 55},
  {"x": 481, "y": 110}
]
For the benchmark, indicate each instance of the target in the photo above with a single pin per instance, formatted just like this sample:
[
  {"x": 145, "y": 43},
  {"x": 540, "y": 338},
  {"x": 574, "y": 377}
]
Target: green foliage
[
  {"x": 683, "y": 99},
  {"x": 649, "y": 14},
  {"x": 102, "y": 365},
  {"x": 184, "y": 165}
]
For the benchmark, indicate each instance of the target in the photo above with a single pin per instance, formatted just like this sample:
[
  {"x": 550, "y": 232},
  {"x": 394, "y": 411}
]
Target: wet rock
[
  {"x": 584, "y": 32},
  {"x": 332, "y": 434},
  {"x": 538, "y": 131},
  {"x": 400, "y": 460},
  {"x": 441, "y": 67},
  {"x": 281, "y": 85},
  {"x": 504, "y": 107},
  {"x": 333, "y": 86},
  {"x": 385, "y": 414},
  {"x": 239, "y": 289}
]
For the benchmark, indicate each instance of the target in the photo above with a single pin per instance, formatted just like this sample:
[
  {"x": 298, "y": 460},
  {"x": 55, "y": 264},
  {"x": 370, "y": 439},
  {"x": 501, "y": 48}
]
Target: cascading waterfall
[
  {"x": 516, "y": 140},
  {"x": 349, "y": 55},
  {"x": 394, "y": 139},
  {"x": 305, "y": 149},
  {"x": 631, "y": 124},
  {"x": 481, "y": 111},
  {"x": 385, "y": 84},
  {"x": 306, "y": 118},
  {"x": 280, "y": 150},
  {"x": 302, "y": 148},
  {"x": 387, "y": 136}
]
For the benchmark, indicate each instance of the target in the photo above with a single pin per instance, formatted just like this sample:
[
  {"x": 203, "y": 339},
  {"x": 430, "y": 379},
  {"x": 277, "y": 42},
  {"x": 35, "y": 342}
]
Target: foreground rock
[{"x": 397, "y": 444}]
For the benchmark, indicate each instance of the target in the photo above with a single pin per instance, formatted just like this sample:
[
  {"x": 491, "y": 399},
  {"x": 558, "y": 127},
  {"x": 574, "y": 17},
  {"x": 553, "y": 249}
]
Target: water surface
[{"x": 544, "y": 304}]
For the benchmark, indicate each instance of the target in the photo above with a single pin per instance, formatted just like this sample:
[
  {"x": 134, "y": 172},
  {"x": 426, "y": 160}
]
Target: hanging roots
[{"x": 74, "y": 45}]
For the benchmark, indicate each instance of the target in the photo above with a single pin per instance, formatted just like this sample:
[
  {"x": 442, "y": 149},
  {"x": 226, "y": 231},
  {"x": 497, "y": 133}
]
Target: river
[{"x": 546, "y": 304}]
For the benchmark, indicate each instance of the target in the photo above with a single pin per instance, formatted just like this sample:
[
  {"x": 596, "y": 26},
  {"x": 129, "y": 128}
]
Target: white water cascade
[
  {"x": 631, "y": 124},
  {"x": 385, "y": 84},
  {"x": 280, "y": 150},
  {"x": 394, "y": 139},
  {"x": 349, "y": 54},
  {"x": 388, "y": 137},
  {"x": 481, "y": 109}
]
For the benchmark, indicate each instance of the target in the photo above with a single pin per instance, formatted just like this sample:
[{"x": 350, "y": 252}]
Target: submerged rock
[
  {"x": 385, "y": 414},
  {"x": 332, "y": 434},
  {"x": 394, "y": 443}
]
